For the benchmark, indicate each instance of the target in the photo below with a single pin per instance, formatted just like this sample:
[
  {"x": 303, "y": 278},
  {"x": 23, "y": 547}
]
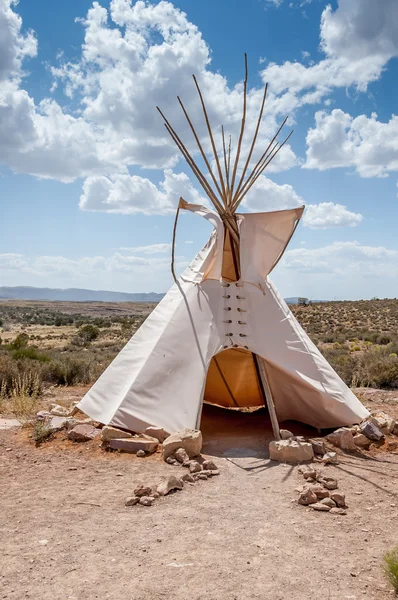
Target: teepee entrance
[{"x": 233, "y": 380}]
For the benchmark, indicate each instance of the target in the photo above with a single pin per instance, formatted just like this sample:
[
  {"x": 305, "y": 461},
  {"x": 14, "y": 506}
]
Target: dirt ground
[{"x": 66, "y": 534}]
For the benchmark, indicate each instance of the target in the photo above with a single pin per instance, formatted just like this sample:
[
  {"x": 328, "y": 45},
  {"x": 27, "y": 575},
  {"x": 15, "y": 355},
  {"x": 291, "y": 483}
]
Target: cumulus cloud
[
  {"x": 358, "y": 39},
  {"x": 326, "y": 215},
  {"x": 14, "y": 45},
  {"x": 134, "y": 57},
  {"x": 342, "y": 258},
  {"x": 340, "y": 140},
  {"x": 268, "y": 195},
  {"x": 127, "y": 194}
]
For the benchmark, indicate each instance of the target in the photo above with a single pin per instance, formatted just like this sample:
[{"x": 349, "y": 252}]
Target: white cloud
[
  {"x": 358, "y": 39},
  {"x": 340, "y": 140},
  {"x": 128, "y": 194},
  {"x": 326, "y": 215},
  {"x": 268, "y": 195},
  {"x": 133, "y": 58},
  {"x": 345, "y": 259},
  {"x": 14, "y": 45},
  {"x": 151, "y": 249}
]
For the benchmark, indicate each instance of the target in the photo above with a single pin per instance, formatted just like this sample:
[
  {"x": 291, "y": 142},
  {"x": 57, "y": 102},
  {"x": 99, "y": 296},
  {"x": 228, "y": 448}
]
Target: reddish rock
[
  {"x": 133, "y": 445},
  {"x": 83, "y": 433}
]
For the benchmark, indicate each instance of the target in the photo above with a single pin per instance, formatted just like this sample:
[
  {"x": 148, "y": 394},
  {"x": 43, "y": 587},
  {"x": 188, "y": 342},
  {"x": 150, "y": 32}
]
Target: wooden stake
[
  {"x": 242, "y": 129},
  {"x": 211, "y": 137},
  {"x": 268, "y": 396}
]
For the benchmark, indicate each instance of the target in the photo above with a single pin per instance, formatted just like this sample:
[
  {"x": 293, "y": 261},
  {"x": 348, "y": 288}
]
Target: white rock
[
  {"x": 59, "y": 411},
  {"x": 285, "y": 434},
  {"x": 131, "y": 501},
  {"x": 195, "y": 467},
  {"x": 168, "y": 484},
  {"x": 338, "y": 498},
  {"x": 290, "y": 451},
  {"x": 209, "y": 465},
  {"x": 112, "y": 433},
  {"x": 330, "y": 458},
  {"x": 328, "y": 502},
  {"x": 140, "y": 453},
  {"x": 147, "y": 500},
  {"x": 342, "y": 438},
  {"x": 157, "y": 432},
  {"x": 189, "y": 439},
  {"x": 383, "y": 421},
  {"x": 307, "y": 471},
  {"x": 307, "y": 496}
]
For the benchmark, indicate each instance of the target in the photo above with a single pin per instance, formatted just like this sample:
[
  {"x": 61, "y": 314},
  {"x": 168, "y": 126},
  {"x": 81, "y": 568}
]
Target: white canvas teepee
[{"x": 223, "y": 334}]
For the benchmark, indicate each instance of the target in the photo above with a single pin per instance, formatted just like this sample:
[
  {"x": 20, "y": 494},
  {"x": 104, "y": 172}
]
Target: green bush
[
  {"x": 390, "y": 567},
  {"x": 88, "y": 333},
  {"x": 31, "y": 353},
  {"x": 69, "y": 371},
  {"x": 21, "y": 341}
]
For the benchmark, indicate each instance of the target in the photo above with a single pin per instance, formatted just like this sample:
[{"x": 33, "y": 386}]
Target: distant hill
[{"x": 74, "y": 295}]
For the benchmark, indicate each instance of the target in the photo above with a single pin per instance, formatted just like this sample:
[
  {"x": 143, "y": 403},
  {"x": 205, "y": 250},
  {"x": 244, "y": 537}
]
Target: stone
[
  {"x": 133, "y": 445},
  {"x": 142, "y": 490},
  {"x": 361, "y": 440},
  {"x": 342, "y": 438},
  {"x": 338, "y": 511},
  {"x": 338, "y": 498},
  {"x": 285, "y": 434},
  {"x": 181, "y": 455},
  {"x": 201, "y": 475},
  {"x": 83, "y": 433},
  {"x": 9, "y": 423},
  {"x": 171, "y": 460},
  {"x": 307, "y": 496},
  {"x": 112, "y": 433},
  {"x": 319, "y": 506},
  {"x": 72, "y": 422},
  {"x": 157, "y": 432},
  {"x": 395, "y": 430},
  {"x": 328, "y": 482},
  {"x": 290, "y": 451},
  {"x": 318, "y": 446},
  {"x": 146, "y": 500},
  {"x": 195, "y": 467},
  {"x": 59, "y": 411},
  {"x": 318, "y": 490},
  {"x": 187, "y": 477},
  {"x": 307, "y": 471},
  {"x": 131, "y": 501},
  {"x": 371, "y": 431},
  {"x": 141, "y": 453},
  {"x": 328, "y": 502},
  {"x": 57, "y": 423},
  {"x": 168, "y": 484},
  {"x": 330, "y": 458},
  {"x": 209, "y": 473},
  {"x": 209, "y": 465},
  {"x": 392, "y": 445},
  {"x": 43, "y": 415},
  {"x": 189, "y": 439},
  {"x": 383, "y": 421}
]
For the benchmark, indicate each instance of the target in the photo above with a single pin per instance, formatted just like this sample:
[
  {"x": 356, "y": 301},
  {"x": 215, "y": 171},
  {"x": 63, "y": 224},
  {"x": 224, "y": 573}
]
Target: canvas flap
[{"x": 263, "y": 240}]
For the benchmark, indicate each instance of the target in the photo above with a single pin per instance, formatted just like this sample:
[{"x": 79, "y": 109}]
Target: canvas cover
[{"x": 198, "y": 344}]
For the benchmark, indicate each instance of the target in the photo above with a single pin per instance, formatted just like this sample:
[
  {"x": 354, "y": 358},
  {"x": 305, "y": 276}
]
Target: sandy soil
[{"x": 66, "y": 534}]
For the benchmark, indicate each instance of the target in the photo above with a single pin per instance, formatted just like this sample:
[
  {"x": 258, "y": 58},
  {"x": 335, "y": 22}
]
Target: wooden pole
[{"x": 268, "y": 396}]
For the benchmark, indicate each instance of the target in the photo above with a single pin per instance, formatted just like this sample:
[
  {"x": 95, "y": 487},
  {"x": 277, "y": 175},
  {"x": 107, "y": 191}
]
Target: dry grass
[{"x": 390, "y": 567}]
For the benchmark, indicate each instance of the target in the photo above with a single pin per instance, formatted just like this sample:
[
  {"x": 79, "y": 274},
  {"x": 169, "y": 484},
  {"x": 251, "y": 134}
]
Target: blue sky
[{"x": 89, "y": 180}]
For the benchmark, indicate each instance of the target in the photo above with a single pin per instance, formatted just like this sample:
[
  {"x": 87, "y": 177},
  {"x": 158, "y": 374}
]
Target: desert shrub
[
  {"x": 378, "y": 370},
  {"x": 21, "y": 341},
  {"x": 31, "y": 353},
  {"x": 20, "y": 377},
  {"x": 69, "y": 371},
  {"x": 390, "y": 567},
  {"x": 88, "y": 333},
  {"x": 41, "y": 432},
  {"x": 342, "y": 362}
]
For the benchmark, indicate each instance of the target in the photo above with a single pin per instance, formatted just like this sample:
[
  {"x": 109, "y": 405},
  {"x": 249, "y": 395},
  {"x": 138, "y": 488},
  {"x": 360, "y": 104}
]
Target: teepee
[{"x": 222, "y": 334}]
